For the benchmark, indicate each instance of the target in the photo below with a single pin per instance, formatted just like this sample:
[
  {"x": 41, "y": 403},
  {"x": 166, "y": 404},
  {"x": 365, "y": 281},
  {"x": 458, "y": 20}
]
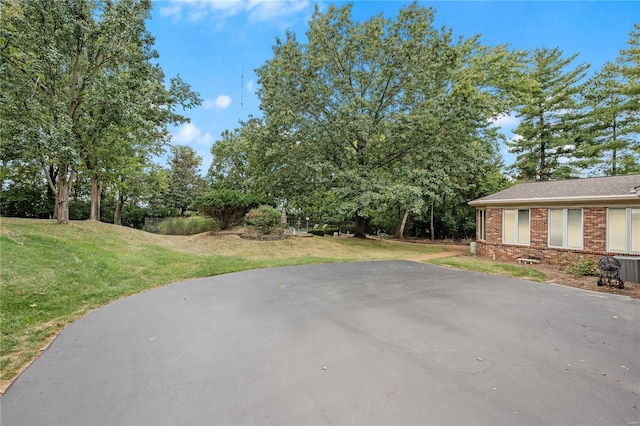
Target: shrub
[
  {"x": 319, "y": 232},
  {"x": 264, "y": 219},
  {"x": 186, "y": 225},
  {"x": 583, "y": 266},
  {"x": 228, "y": 207},
  {"x": 79, "y": 210},
  {"x": 348, "y": 229},
  {"x": 21, "y": 200}
]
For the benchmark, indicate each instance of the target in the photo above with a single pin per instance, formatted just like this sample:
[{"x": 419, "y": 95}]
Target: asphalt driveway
[{"x": 356, "y": 343}]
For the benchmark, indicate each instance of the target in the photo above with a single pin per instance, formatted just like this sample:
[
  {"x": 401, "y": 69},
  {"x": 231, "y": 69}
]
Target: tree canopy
[
  {"x": 571, "y": 127},
  {"x": 388, "y": 122},
  {"x": 608, "y": 138},
  {"x": 547, "y": 134},
  {"x": 362, "y": 109},
  {"x": 80, "y": 88},
  {"x": 185, "y": 183}
]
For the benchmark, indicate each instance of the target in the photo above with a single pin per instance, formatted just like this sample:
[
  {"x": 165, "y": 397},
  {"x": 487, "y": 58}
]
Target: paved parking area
[{"x": 356, "y": 343}]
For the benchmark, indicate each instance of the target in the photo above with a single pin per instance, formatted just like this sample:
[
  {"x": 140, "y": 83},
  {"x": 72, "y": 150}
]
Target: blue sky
[{"x": 215, "y": 45}]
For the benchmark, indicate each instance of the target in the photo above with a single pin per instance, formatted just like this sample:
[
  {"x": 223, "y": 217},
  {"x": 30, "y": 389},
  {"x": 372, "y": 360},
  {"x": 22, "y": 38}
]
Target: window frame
[
  {"x": 565, "y": 228},
  {"x": 516, "y": 227},
  {"x": 628, "y": 230},
  {"x": 482, "y": 223}
]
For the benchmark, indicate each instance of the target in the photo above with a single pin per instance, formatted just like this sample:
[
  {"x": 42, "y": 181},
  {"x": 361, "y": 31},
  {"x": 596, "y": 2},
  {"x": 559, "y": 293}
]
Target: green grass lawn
[
  {"x": 490, "y": 267},
  {"x": 53, "y": 274}
]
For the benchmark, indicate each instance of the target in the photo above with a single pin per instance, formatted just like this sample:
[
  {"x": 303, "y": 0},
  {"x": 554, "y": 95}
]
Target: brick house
[{"x": 557, "y": 221}]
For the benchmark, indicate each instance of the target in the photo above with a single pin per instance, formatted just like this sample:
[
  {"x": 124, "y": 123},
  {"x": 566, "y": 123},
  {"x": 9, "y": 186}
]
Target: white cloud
[
  {"x": 265, "y": 10},
  {"x": 172, "y": 9},
  {"x": 205, "y": 139},
  {"x": 250, "y": 86},
  {"x": 257, "y": 10},
  {"x": 187, "y": 133},
  {"x": 195, "y": 10},
  {"x": 190, "y": 133},
  {"x": 207, "y": 104},
  {"x": 223, "y": 101},
  {"x": 505, "y": 121}
]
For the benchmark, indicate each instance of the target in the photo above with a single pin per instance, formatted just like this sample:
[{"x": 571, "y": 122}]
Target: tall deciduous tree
[
  {"x": 238, "y": 162},
  {"x": 138, "y": 181},
  {"x": 346, "y": 110},
  {"x": 185, "y": 183},
  {"x": 548, "y": 131},
  {"x": 73, "y": 75}
]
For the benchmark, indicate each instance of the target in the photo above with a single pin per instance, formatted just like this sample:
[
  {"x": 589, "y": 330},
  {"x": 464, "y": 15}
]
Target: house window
[
  {"x": 515, "y": 226},
  {"x": 565, "y": 228},
  {"x": 623, "y": 230},
  {"x": 482, "y": 224}
]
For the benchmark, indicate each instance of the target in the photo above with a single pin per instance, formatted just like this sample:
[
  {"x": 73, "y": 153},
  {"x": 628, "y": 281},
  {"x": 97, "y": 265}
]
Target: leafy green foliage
[
  {"x": 131, "y": 214},
  {"x": 23, "y": 192},
  {"x": 384, "y": 121},
  {"x": 79, "y": 209},
  {"x": 82, "y": 91},
  {"x": 184, "y": 181},
  {"x": 264, "y": 219},
  {"x": 237, "y": 161},
  {"x": 20, "y": 200},
  {"x": 382, "y": 113},
  {"x": 583, "y": 266},
  {"x": 186, "y": 225},
  {"x": 227, "y": 206}
]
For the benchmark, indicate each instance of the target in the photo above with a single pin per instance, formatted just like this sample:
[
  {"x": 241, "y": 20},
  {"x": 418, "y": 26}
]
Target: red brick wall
[
  {"x": 594, "y": 238},
  {"x": 594, "y": 220}
]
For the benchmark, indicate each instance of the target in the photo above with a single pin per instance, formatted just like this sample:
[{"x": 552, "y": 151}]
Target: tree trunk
[
  {"x": 614, "y": 152},
  {"x": 62, "y": 202},
  {"x": 403, "y": 224},
  {"x": 117, "y": 214},
  {"x": 614, "y": 160},
  {"x": 431, "y": 228},
  {"x": 361, "y": 224},
  {"x": 95, "y": 198},
  {"x": 55, "y": 208},
  {"x": 544, "y": 174},
  {"x": 52, "y": 192},
  {"x": 65, "y": 180}
]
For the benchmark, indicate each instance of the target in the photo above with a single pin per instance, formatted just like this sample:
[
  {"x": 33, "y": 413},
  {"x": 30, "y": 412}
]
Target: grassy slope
[{"x": 53, "y": 274}]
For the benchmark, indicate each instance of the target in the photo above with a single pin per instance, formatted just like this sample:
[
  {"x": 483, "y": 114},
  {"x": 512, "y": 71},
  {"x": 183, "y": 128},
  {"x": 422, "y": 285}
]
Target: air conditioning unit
[{"x": 629, "y": 268}]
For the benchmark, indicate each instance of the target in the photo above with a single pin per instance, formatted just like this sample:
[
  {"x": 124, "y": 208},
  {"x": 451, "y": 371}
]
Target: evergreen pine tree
[
  {"x": 548, "y": 132},
  {"x": 608, "y": 141}
]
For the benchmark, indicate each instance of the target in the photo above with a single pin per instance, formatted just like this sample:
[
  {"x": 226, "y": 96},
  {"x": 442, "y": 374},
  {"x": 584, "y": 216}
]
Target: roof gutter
[{"x": 556, "y": 200}]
